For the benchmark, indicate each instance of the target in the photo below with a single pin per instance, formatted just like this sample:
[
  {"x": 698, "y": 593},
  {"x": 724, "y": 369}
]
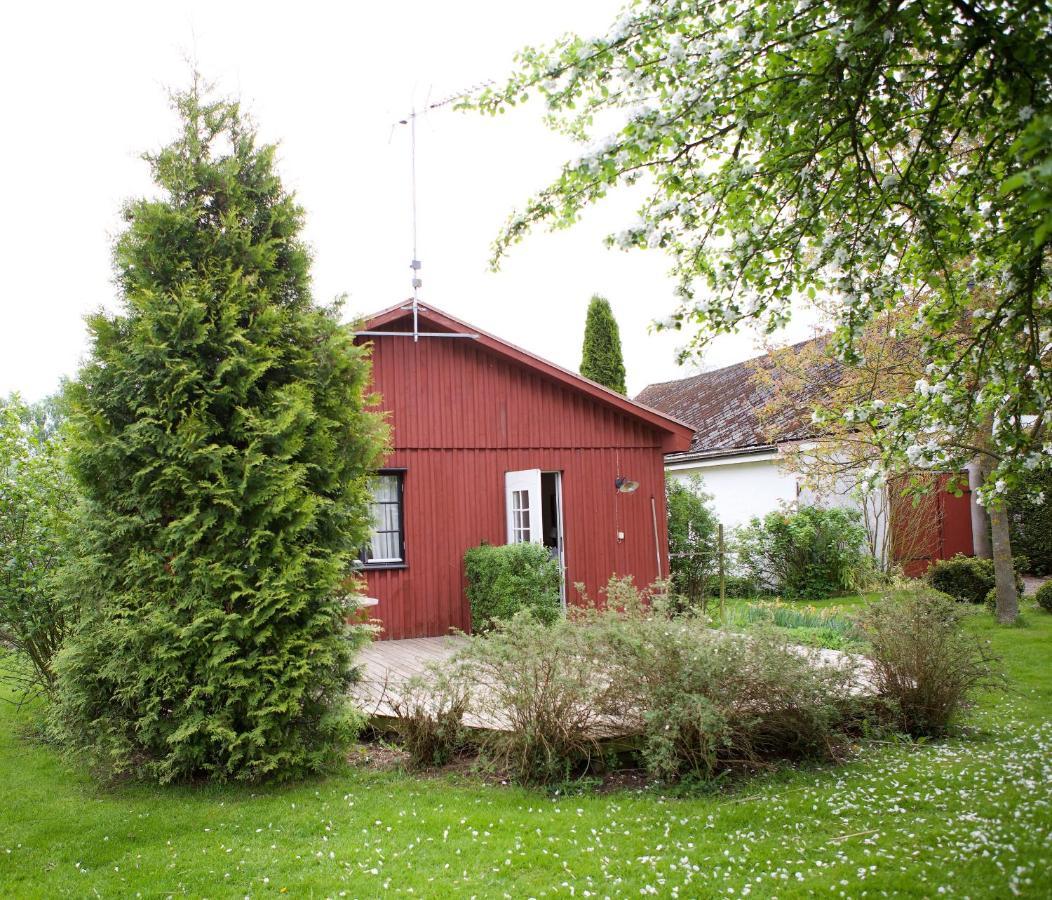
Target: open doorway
[{"x": 534, "y": 506}]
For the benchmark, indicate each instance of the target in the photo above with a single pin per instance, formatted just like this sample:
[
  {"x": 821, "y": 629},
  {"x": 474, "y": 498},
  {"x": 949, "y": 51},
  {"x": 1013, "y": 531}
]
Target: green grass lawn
[{"x": 969, "y": 817}]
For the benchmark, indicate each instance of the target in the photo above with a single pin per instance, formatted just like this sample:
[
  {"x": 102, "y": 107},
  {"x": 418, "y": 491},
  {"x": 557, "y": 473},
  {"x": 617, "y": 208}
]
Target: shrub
[
  {"x": 707, "y": 699},
  {"x": 222, "y": 437},
  {"x": 429, "y": 715},
  {"x": 967, "y": 578},
  {"x": 503, "y": 580},
  {"x": 691, "y": 540},
  {"x": 809, "y": 552},
  {"x": 696, "y": 700},
  {"x": 923, "y": 660},
  {"x": 738, "y": 587},
  {"x": 542, "y": 684},
  {"x": 36, "y": 502},
  {"x": 1044, "y": 596}
]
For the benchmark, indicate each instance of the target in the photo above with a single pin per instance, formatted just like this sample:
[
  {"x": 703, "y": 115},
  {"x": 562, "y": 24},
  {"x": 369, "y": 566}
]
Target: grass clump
[{"x": 804, "y": 624}]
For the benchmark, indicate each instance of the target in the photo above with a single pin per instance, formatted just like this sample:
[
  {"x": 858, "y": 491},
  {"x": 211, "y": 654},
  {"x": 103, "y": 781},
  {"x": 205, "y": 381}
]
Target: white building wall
[
  {"x": 755, "y": 484},
  {"x": 741, "y": 486}
]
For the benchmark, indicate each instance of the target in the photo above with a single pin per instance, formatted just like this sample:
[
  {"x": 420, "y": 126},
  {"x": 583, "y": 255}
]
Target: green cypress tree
[
  {"x": 601, "y": 358},
  {"x": 222, "y": 441}
]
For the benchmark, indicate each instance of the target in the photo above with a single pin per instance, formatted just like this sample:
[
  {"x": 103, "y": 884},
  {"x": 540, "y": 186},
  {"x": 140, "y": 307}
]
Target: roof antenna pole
[{"x": 415, "y": 264}]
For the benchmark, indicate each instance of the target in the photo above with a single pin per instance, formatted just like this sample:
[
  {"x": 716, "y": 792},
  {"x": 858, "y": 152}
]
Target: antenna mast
[
  {"x": 415, "y": 264},
  {"x": 414, "y": 303}
]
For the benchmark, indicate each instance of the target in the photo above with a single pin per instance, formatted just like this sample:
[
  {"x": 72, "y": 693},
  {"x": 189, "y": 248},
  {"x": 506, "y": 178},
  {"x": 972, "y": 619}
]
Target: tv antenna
[{"x": 415, "y": 265}]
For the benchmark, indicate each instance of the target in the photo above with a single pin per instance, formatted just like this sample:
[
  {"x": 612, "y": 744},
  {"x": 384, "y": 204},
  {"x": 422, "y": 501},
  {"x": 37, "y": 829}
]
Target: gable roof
[
  {"x": 677, "y": 434},
  {"x": 724, "y": 408}
]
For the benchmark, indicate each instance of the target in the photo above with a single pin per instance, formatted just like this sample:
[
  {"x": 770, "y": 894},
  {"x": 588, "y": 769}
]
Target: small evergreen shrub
[
  {"x": 1044, "y": 596},
  {"x": 429, "y": 715},
  {"x": 967, "y": 578},
  {"x": 810, "y": 552},
  {"x": 924, "y": 662},
  {"x": 505, "y": 579}
]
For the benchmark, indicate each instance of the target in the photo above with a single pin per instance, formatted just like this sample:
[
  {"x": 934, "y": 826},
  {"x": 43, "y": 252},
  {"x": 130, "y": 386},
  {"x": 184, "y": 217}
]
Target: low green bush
[
  {"x": 967, "y": 578},
  {"x": 506, "y": 579},
  {"x": 809, "y": 552},
  {"x": 736, "y": 587},
  {"x": 1044, "y": 596},
  {"x": 1030, "y": 521},
  {"x": 924, "y": 662}
]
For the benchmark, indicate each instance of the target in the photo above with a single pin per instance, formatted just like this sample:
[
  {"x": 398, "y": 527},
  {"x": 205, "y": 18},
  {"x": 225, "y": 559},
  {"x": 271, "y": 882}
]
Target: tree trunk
[
  {"x": 1007, "y": 608},
  {"x": 980, "y": 520},
  {"x": 1004, "y": 569}
]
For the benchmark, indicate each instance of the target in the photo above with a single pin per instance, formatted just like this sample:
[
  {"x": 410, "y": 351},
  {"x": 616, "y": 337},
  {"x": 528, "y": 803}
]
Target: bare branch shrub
[
  {"x": 707, "y": 700},
  {"x": 924, "y": 660},
  {"x": 429, "y": 715},
  {"x": 544, "y": 690}
]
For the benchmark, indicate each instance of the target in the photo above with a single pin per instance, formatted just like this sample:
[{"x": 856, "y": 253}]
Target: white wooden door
[{"x": 522, "y": 500}]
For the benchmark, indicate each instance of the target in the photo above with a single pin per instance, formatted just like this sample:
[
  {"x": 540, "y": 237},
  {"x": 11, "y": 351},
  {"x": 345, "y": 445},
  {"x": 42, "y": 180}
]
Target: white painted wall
[{"x": 741, "y": 486}]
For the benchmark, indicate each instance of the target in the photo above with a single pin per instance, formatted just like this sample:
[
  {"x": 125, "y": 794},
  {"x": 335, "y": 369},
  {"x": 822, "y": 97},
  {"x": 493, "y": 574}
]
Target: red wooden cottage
[{"x": 491, "y": 443}]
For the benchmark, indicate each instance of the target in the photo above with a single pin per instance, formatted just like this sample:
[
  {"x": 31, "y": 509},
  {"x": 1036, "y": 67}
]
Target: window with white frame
[
  {"x": 520, "y": 517},
  {"x": 386, "y": 545}
]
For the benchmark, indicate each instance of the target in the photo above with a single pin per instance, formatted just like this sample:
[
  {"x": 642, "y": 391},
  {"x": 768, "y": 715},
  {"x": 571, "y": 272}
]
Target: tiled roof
[{"x": 723, "y": 407}]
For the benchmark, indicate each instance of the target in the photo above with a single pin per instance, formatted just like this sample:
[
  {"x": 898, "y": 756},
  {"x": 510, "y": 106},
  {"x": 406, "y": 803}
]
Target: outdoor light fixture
[{"x": 624, "y": 486}]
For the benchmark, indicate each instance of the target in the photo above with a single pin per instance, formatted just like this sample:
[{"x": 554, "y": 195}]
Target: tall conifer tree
[
  {"x": 223, "y": 443},
  {"x": 601, "y": 358}
]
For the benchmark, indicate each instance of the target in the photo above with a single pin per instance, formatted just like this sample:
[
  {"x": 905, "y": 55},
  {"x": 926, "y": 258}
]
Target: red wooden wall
[
  {"x": 939, "y": 526},
  {"x": 463, "y": 415}
]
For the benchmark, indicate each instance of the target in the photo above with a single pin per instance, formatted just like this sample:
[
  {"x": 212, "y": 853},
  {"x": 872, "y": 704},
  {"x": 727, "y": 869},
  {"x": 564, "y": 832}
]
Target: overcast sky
[{"x": 84, "y": 90}]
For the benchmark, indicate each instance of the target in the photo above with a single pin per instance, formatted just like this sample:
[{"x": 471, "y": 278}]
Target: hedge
[
  {"x": 967, "y": 578},
  {"x": 505, "y": 579}
]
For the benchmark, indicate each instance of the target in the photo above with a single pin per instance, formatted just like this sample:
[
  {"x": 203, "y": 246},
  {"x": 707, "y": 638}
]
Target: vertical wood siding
[{"x": 461, "y": 417}]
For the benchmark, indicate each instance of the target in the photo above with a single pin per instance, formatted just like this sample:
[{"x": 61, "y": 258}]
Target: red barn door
[{"x": 936, "y": 525}]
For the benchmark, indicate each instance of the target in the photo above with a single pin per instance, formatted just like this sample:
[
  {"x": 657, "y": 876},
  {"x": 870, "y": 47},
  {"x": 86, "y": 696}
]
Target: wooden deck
[{"x": 387, "y": 664}]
